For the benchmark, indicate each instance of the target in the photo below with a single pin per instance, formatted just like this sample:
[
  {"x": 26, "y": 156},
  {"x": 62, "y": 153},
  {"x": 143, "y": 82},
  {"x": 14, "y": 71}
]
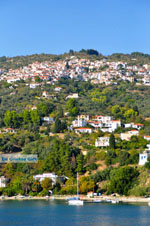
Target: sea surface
[{"x": 56, "y": 213}]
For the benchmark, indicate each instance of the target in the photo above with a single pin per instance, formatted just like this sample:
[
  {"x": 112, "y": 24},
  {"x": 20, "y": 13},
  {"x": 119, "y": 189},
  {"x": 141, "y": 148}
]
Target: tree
[
  {"x": 123, "y": 179},
  {"x": 57, "y": 126},
  {"x": 92, "y": 52},
  {"x": 26, "y": 186},
  {"x": 130, "y": 114},
  {"x": 72, "y": 107},
  {"x": 70, "y": 186},
  {"x": 71, "y": 52},
  {"x": 112, "y": 141},
  {"x": 86, "y": 184},
  {"x": 47, "y": 184},
  {"x": 35, "y": 117},
  {"x": 60, "y": 113},
  {"x": 26, "y": 117},
  {"x": 36, "y": 186},
  {"x": 11, "y": 119},
  {"x": 44, "y": 109},
  {"x": 80, "y": 164},
  {"x": 67, "y": 65},
  {"x": 8, "y": 119},
  {"x": 116, "y": 110},
  {"x": 37, "y": 79},
  {"x": 147, "y": 164}
]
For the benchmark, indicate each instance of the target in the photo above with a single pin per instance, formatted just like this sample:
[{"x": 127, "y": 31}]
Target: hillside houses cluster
[
  {"x": 89, "y": 124},
  {"x": 104, "y": 123},
  {"x": 98, "y": 71}
]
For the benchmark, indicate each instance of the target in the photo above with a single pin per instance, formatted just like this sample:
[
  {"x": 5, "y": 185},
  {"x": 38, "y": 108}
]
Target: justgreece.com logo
[{"x": 18, "y": 158}]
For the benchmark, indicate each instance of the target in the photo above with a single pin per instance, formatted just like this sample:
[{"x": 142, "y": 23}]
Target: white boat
[
  {"x": 76, "y": 200},
  {"x": 114, "y": 201}
]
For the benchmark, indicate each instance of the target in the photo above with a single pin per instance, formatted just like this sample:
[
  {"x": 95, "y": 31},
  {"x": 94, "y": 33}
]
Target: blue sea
[{"x": 57, "y": 213}]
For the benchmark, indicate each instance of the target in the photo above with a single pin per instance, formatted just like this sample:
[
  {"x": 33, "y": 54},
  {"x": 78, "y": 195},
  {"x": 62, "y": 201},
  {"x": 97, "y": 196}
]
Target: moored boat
[{"x": 76, "y": 200}]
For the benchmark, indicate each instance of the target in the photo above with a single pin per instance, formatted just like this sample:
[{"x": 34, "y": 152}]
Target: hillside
[{"x": 74, "y": 124}]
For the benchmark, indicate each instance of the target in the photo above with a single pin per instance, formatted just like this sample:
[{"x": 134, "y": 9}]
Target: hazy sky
[{"x": 56, "y": 26}]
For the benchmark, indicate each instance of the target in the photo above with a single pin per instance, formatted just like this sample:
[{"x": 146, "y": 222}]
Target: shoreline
[{"x": 119, "y": 199}]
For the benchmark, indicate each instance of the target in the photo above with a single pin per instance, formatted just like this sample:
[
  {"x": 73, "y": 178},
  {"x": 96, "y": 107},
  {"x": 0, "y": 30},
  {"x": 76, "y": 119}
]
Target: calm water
[{"x": 56, "y": 213}]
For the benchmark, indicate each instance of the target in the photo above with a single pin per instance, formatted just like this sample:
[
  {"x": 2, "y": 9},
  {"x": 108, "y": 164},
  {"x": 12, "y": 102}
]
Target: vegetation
[{"x": 113, "y": 169}]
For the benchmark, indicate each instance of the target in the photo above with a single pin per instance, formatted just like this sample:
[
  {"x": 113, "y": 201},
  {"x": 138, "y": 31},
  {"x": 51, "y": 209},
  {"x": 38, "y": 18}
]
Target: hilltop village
[
  {"x": 98, "y": 71},
  {"x": 77, "y": 114}
]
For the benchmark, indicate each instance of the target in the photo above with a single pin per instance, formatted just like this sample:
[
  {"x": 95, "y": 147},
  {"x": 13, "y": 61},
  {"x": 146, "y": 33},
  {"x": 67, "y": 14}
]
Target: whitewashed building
[
  {"x": 84, "y": 117},
  {"x": 127, "y": 136},
  {"x": 102, "y": 142},
  {"x": 74, "y": 95},
  {"x": 147, "y": 138},
  {"x": 52, "y": 176},
  {"x": 2, "y": 182},
  {"x": 79, "y": 123},
  {"x": 143, "y": 157},
  {"x": 48, "y": 120},
  {"x": 83, "y": 130}
]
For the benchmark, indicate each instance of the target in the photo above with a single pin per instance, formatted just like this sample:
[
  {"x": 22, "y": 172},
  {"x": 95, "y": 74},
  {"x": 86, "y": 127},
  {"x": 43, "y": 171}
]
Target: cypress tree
[{"x": 112, "y": 141}]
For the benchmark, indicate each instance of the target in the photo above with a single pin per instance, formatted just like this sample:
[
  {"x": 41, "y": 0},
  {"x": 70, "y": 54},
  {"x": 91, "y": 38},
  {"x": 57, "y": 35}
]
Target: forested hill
[{"x": 19, "y": 61}]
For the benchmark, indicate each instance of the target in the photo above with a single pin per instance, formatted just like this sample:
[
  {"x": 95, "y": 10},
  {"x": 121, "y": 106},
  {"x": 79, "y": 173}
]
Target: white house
[
  {"x": 41, "y": 177},
  {"x": 134, "y": 132},
  {"x": 49, "y": 120},
  {"x": 45, "y": 94},
  {"x": 144, "y": 156},
  {"x": 127, "y": 125},
  {"x": 74, "y": 95},
  {"x": 84, "y": 117},
  {"x": 96, "y": 124},
  {"x": 103, "y": 119},
  {"x": 129, "y": 134},
  {"x": 79, "y": 123},
  {"x": 58, "y": 89},
  {"x": 34, "y": 85},
  {"x": 83, "y": 130},
  {"x": 102, "y": 142},
  {"x": 115, "y": 124},
  {"x": 147, "y": 138},
  {"x": 106, "y": 123},
  {"x": 52, "y": 176},
  {"x": 137, "y": 126},
  {"x": 7, "y": 130},
  {"x": 2, "y": 182}
]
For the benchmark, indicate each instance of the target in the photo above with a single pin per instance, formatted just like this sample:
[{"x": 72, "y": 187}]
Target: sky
[{"x": 56, "y": 26}]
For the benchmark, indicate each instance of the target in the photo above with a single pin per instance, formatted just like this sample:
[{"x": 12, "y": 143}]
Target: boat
[
  {"x": 97, "y": 200},
  {"x": 115, "y": 201},
  {"x": 108, "y": 200},
  {"x": 76, "y": 200}
]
